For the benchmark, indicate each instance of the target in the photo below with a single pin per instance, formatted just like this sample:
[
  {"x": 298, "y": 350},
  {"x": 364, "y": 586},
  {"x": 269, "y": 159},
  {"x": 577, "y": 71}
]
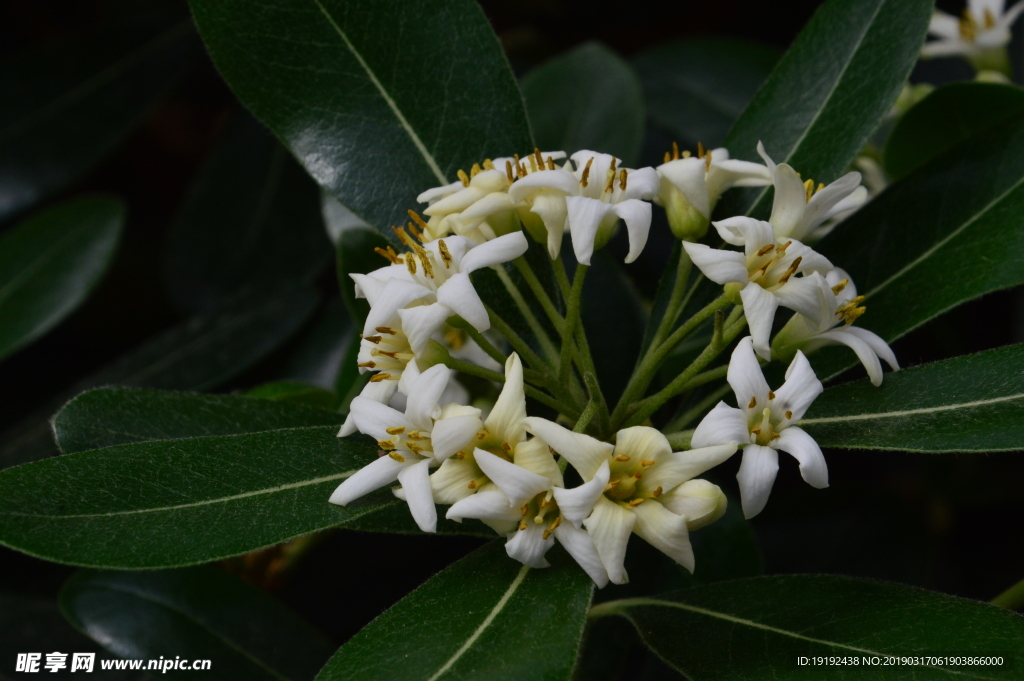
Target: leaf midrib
[{"x": 911, "y": 412}]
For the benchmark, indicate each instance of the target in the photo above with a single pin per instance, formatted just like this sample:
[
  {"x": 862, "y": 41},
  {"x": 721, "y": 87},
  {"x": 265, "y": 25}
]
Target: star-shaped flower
[
  {"x": 983, "y": 27},
  {"x": 763, "y": 424}
]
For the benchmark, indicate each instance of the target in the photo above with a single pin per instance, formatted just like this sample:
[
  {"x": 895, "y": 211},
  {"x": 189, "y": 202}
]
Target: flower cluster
[
  {"x": 531, "y": 478},
  {"x": 980, "y": 34}
]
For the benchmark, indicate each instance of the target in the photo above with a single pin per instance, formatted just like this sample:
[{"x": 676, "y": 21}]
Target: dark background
[{"x": 946, "y": 522}]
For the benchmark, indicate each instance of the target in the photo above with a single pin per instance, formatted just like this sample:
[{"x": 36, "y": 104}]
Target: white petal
[
  {"x": 518, "y": 484},
  {"x": 877, "y": 344},
  {"x": 718, "y": 265},
  {"x": 368, "y": 287},
  {"x": 822, "y": 203},
  {"x": 803, "y": 448},
  {"x": 665, "y": 531},
  {"x": 458, "y": 295},
  {"x": 944, "y": 25},
  {"x": 370, "y": 477},
  {"x": 726, "y": 173},
  {"x": 584, "y": 217},
  {"x": 745, "y": 377},
  {"x": 535, "y": 456},
  {"x": 374, "y": 418},
  {"x": 945, "y": 48},
  {"x": 453, "y": 434},
  {"x": 641, "y": 183},
  {"x": 857, "y": 198},
  {"x": 800, "y": 389},
  {"x": 560, "y": 180},
  {"x": 700, "y": 501},
  {"x": 408, "y": 378},
  {"x": 677, "y": 467},
  {"x": 553, "y": 213},
  {"x": 1011, "y": 15},
  {"x": 396, "y": 295},
  {"x": 494, "y": 202},
  {"x": 529, "y": 546},
  {"x": 422, "y": 408},
  {"x": 723, "y": 425},
  {"x": 810, "y": 259},
  {"x": 584, "y": 452},
  {"x": 756, "y": 477},
  {"x": 641, "y": 442},
  {"x": 759, "y": 307},
  {"x": 577, "y": 504},
  {"x": 438, "y": 192},
  {"x": 752, "y": 234},
  {"x": 421, "y": 323},
  {"x": 790, "y": 202},
  {"x": 348, "y": 427},
  {"x": 380, "y": 391},
  {"x": 581, "y": 547},
  {"x": 687, "y": 175},
  {"x": 802, "y": 294},
  {"x": 637, "y": 216},
  {"x": 484, "y": 505},
  {"x": 609, "y": 527},
  {"x": 451, "y": 481},
  {"x": 864, "y": 353},
  {"x": 454, "y": 203},
  {"x": 503, "y": 249},
  {"x": 765, "y": 157},
  {"x": 505, "y": 419},
  {"x": 415, "y": 481}
]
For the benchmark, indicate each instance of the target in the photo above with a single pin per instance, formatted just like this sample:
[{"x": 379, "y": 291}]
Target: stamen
[
  {"x": 388, "y": 254},
  {"x": 611, "y": 485},
  {"x": 622, "y": 179},
  {"x": 821, "y": 185},
  {"x": 410, "y": 264},
  {"x": 700, "y": 150},
  {"x": 675, "y": 152},
  {"x": 382, "y": 376},
  {"x": 522, "y": 524},
  {"x": 686, "y": 153},
  {"x": 413, "y": 447},
  {"x": 646, "y": 463},
  {"x": 610, "y": 186},
  {"x": 809, "y": 188},
  {"x": 475, "y": 170},
  {"x": 373, "y": 339},
  {"x": 782, "y": 249},
  {"x": 366, "y": 365},
  {"x": 540, "y": 159},
  {"x": 668, "y": 157},
  {"x": 771, "y": 394},
  {"x": 488, "y": 164},
  {"x": 481, "y": 435},
  {"x": 837, "y": 289},
  {"x": 622, "y": 457},
  {"x": 533, "y": 163},
  {"x": 707, "y": 161},
  {"x": 418, "y": 220},
  {"x": 753, "y": 403},
  {"x": 789, "y": 414},
  {"x": 386, "y": 330},
  {"x": 386, "y": 444},
  {"x": 524, "y": 510},
  {"x": 586, "y": 172},
  {"x": 415, "y": 435},
  {"x": 636, "y": 502},
  {"x": 428, "y": 269},
  {"x": 395, "y": 430},
  {"x": 506, "y": 446},
  {"x": 791, "y": 271},
  {"x": 446, "y": 257},
  {"x": 990, "y": 19},
  {"x": 397, "y": 457},
  {"x": 657, "y": 492},
  {"x": 417, "y": 234},
  {"x": 612, "y": 167},
  {"x": 508, "y": 172},
  {"x": 765, "y": 250},
  {"x": 551, "y": 163},
  {"x": 472, "y": 484},
  {"x": 463, "y": 177},
  {"x": 402, "y": 236}
]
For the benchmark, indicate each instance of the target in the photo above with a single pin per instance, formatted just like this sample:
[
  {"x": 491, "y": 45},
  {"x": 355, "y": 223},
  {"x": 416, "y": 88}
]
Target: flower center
[
  {"x": 675, "y": 155},
  {"x": 387, "y": 351},
  {"x": 767, "y": 425},
  {"x": 626, "y": 472},
  {"x": 768, "y": 267},
  {"x": 404, "y": 443},
  {"x": 539, "y": 510}
]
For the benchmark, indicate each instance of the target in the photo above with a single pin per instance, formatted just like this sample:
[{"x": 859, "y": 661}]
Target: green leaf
[
  {"x": 947, "y": 117},
  {"x": 320, "y": 352},
  {"x": 946, "y": 234},
  {"x": 378, "y": 104},
  {"x": 31, "y": 624},
  {"x": 356, "y": 255},
  {"x": 830, "y": 90},
  {"x": 297, "y": 393},
  {"x": 973, "y": 403},
  {"x": 50, "y": 263},
  {"x": 107, "y": 417},
  {"x": 588, "y": 98},
  {"x": 251, "y": 220},
  {"x": 753, "y": 629},
  {"x": 485, "y": 617},
  {"x": 198, "y": 613},
  {"x": 200, "y": 354},
  {"x": 67, "y": 105},
  {"x": 697, "y": 88}
]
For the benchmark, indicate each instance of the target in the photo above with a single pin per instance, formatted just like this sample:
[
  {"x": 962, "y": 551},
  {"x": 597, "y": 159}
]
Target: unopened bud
[{"x": 687, "y": 223}]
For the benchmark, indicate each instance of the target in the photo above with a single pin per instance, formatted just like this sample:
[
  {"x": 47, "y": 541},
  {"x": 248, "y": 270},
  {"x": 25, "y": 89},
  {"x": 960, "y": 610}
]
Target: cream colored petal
[
  {"x": 459, "y": 296},
  {"x": 641, "y": 443},
  {"x": 450, "y": 482},
  {"x": 372, "y": 476},
  {"x": 718, "y": 265},
  {"x": 496, "y": 251},
  {"x": 687, "y": 175},
  {"x": 756, "y": 476},
  {"x": 535, "y": 456},
  {"x": 506, "y": 418},
  {"x": 581, "y": 547},
  {"x": 396, "y": 295},
  {"x": 553, "y": 213},
  {"x": 676, "y": 468},
  {"x": 609, "y": 527},
  {"x": 453, "y": 434},
  {"x": 585, "y": 453},
  {"x": 484, "y": 505},
  {"x": 800, "y": 389},
  {"x": 723, "y": 425},
  {"x": 421, "y": 323},
  {"x": 584, "y": 217},
  {"x": 789, "y": 204},
  {"x": 745, "y": 377},
  {"x": 637, "y": 216},
  {"x": 373, "y": 418},
  {"x": 759, "y": 307},
  {"x": 518, "y": 484},
  {"x": 415, "y": 481},
  {"x": 577, "y": 504},
  {"x": 557, "y": 180},
  {"x": 802, "y": 447},
  {"x": 700, "y": 501},
  {"x": 455, "y": 203},
  {"x": 665, "y": 531},
  {"x": 864, "y": 352},
  {"x": 528, "y": 546},
  {"x": 422, "y": 406}
]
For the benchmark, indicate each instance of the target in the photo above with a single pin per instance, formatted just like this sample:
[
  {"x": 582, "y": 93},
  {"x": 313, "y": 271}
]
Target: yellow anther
[
  {"x": 488, "y": 164},
  {"x": 687, "y": 154},
  {"x": 506, "y": 446},
  {"x": 837, "y": 289},
  {"x": 646, "y": 463},
  {"x": 789, "y": 414},
  {"x": 765, "y": 250},
  {"x": 460, "y": 455},
  {"x": 700, "y": 150},
  {"x": 388, "y": 254},
  {"x": 551, "y": 163},
  {"x": 463, "y": 177},
  {"x": 382, "y": 376},
  {"x": 771, "y": 394},
  {"x": 386, "y": 444},
  {"x": 667, "y": 158},
  {"x": 554, "y": 526},
  {"x": 537, "y": 155},
  {"x": 508, "y": 172},
  {"x": 410, "y": 264},
  {"x": 546, "y": 534},
  {"x": 366, "y": 365},
  {"x": 791, "y": 271},
  {"x": 611, "y": 485},
  {"x": 968, "y": 28},
  {"x": 675, "y": 152},
  {"x": 428, "y": 269},
  {"x": 611, "y": 168},
  {"x": 637, "y": 475},
  {"x": 386, "y": 330},
  {"x": 586, "y": 172},
  {"x": 990, "y": 19},
  {"x": 809, "y": 188},
  {"x": 446, "y": 257},
  {"x": 524, "y": 510},
  {"x": 395, "y": 430},
  {"x": 753, "y": 403},
  {"x": 610, "y": 186},
  {"x": 636, "y": 502},
  {"x": 522, "y": 524},
  {"x": 821, "y": 185},
  {"x": 413, "y": 447},
  {"x": 622, "y": 179},
  {"x": 415, "y": 435},
  {"x": 402, "y": 236},
  {"x": 475, "y": 170},
  {"x": 472, "y": 484},
  {"x": 755, "y": 431},
  {"x": 782, "y": 249},
  {"x": 707, "y": 161},
  {"x": 622, "y": 457},
  {"x": 417, "y": 234},
  {"x": 373, "y": 339},
  {"x": 393, "y": 354},
  {"x": 657, "y": 492},
  {"x": 397, "y": 457},
  {"x": 533, "y": 162},
  {"x": 481, "y": 435},
  {"x": 418, "y": 220}
]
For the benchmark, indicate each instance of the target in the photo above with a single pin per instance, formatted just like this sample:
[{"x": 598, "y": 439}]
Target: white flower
[
  {"x": 641, "y": 487},
  {"x": 528, "y": 492},
  {"x": 984, "y": 25},
  {"x": 764, "y": 424},
  {"x": 799, "y": 208},
  {"x": 421, "y": 438},
  {"x": 840, "y": 304},
  {"x": 478, "y": 206},
  {"x": 690, "y": 186},
  {"x": 765, "y": 273},
  {"x": 590, "y": 202}
]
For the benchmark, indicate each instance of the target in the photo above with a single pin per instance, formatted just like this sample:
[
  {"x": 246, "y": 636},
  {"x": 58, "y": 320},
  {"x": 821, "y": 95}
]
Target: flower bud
[{"x": 687, "y": 223}]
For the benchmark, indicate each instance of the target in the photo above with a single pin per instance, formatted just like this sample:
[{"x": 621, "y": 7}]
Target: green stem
[
  {"x": 674, "y": 306},
  {"x": 527, "y": 313},
  {"x": 475, "y": 370},
  {"x": 690, "y": 414},
  {"x": 485, "y": 345},
  {"x": 597, "y": 398},
  {"x": 539, "y": 293},
  {"x": 644, "y": 374},
  {"x": 572, "y": 315},
  {"x": 561, "y": 276},
  {"x": 1012, "y": 598},
  {"x": 679, "y": 441},
  {"x": 584, "y": 420},
  {"x": 517, "y": 343}
]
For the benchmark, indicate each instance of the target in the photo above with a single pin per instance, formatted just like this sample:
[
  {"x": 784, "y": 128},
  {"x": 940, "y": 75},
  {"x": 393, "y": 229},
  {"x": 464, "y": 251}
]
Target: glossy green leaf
[
  {"x": 973, "y": 403},
  {"x": 29, "y": 624},
  {"x": 485, "y": 617},
  {"x": 946, "y": 234},
  {"x": 830, "y": 90},
  {"x": 251, "y": 220},
  {"x": 379, "y": 103},
  {"x": 947, "y": 117},
  {"x": 168, "y": 503},
  {"x": 297, "y": 393},
  {"x": 588, "y": 98},
  {"x": 50, "y": 263},
  {"x": 754, "y": 629},
  {"x": 356, "y": 255},
  {"x": 199, "y": 354},
  {"x": 320, "y": 351},
  {"x": 198, "y": 613},
  {"x": 697, "y": 88},
  {"x": 67, "y": 105},
  {"x": 107, "y": 417}
]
